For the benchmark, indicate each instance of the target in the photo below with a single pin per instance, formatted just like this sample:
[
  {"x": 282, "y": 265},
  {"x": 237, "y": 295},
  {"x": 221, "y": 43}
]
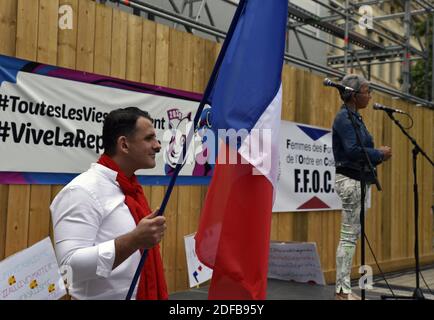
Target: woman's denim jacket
[{"x": 346, "y": 150}]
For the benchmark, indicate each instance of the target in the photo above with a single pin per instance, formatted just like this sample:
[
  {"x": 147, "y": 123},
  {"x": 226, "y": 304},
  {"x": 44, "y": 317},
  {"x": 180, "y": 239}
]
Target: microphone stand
[
  {"x": 363, "y": 162},
  {"x": 417, "y": 293}
]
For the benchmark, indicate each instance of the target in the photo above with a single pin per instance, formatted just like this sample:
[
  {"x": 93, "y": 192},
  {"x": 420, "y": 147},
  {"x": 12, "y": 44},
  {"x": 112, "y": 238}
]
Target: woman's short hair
[{"x": 354, "y": 81}]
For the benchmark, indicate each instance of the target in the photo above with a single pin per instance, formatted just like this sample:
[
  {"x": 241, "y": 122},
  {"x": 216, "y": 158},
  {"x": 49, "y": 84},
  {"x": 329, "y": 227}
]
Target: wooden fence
[{"x": 111, "y": 42}]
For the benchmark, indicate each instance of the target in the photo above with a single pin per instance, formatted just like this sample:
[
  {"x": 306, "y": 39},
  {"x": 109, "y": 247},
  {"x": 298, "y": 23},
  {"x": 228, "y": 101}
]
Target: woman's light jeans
[{"x": 349, "y": 191}]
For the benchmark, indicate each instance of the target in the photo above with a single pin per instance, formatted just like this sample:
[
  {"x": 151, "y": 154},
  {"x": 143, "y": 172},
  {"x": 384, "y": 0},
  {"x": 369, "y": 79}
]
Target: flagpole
[{"x": 179, "y": 165}]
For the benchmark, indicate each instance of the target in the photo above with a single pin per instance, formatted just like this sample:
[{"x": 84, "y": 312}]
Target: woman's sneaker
[{"x": 347, "y": 296}]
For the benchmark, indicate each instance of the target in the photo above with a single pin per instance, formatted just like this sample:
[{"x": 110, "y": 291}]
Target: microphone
[
  {"x": 328, "y": 83},
  {"x": 378, "y": 106}
]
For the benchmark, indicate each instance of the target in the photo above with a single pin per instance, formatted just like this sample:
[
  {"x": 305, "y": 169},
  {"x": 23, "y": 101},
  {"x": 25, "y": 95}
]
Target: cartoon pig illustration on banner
[{"x": 176, "y": 151}]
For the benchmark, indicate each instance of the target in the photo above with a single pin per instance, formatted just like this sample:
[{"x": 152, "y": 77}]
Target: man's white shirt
[{"x": 88, "y": 214}]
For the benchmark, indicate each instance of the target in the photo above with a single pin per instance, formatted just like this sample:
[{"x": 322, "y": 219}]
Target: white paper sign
[
  {"x": 306, "y": 169},
  {"x": 306, "y": 178},
  {"x": 32, "y": 274},
  {"x": 296, "y": 261},
  {"x": 197, "y": 272}
]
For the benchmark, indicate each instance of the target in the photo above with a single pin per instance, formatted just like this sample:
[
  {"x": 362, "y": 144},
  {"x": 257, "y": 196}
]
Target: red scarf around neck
[{"x": 152, "y": 284}]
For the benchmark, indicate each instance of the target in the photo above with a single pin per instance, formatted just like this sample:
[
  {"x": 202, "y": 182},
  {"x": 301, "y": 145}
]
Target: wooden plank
[
  {"x": 119, "y": 44},
  {"x": 39, "y": 215},
  {"x": 204, "y": 190},
  {"x": 103, "y": 39},
  {"x": 288, "y": 96},
  {"x": 286, "y": 228},
  {"x": 316, "y": 106},
  {"x": 170, "y": 240},
  {"x": 27, "y": 29},
  {"x": 85, "y": 36},
  {"x": 199, "y": 79},
  {"x": 302, "y": 91},
  {"x": 17, "y": 226},
  {"x": 147, "y": 74},
  {"x": 428, "y": 182},
  {"x": 377, "y": 195},
  {"x": 386, "y": 184},
  {"x": 176, "y": 55},
  {"x": 148, "y": 194},
  {"x": 382, "y": 174},
  {"x": 157, "y": 195},
  {"x": 195, "y": 207},
  {"x": 406, "y": 188},
  {"x": 274, "y": 226},
  {"x": 182, "y": 229},
  {"x": 47, "y": 31},
  {"x": 300, "y": 223},
  {"x": 211, "y": 54},
  {"x": 134, "y": 48},
  {"x": 410, "y": 208},
  {"x": 162, "y": 55},
  {"x": 147, "y": 190},
  {"x": 395, "y": 191},
  {"x": 423, "y": 212},
  {"x": 327, "y": 231},
  {"x": 4, "y": 191},
  {"x": 8, "y": 26},
  {"x": 55, "y": 189},
  {"x": 314, "y": 230},
  {"x": 418, "y": 136},
  {"x": 187, "y": 62},
  {"x": 67, "y": 38}
]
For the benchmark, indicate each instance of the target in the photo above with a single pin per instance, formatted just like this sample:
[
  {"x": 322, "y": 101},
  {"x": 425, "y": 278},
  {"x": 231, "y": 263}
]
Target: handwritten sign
[
  {"x": 197, "y": 272},
  {"x": 32, "y": 274},
  {"x": 296, "y": 261}
]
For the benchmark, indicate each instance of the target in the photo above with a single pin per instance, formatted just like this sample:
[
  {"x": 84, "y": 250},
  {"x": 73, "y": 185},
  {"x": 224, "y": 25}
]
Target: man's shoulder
[
  {"x": 96, "y": 180},
  {"x": 96, "y": 185},
  {"x": 90, "y": 180}
]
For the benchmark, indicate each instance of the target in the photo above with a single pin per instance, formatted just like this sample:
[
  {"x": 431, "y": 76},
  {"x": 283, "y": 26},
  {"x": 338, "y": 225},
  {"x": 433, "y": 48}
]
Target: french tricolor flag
[{"x": 234, "y": 231}]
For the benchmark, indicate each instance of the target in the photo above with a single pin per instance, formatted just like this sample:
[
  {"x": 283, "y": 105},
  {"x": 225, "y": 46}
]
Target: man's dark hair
[{"x": 120, "y": 122}]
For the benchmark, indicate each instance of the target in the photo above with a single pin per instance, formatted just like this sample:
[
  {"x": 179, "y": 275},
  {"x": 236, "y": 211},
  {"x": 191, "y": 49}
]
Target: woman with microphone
[{"x": 349, "y": 158}]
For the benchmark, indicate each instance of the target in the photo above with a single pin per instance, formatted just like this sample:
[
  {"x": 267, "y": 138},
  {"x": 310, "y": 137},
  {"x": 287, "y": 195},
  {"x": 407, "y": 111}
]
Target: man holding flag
[{"x": 234, "y": 232}]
